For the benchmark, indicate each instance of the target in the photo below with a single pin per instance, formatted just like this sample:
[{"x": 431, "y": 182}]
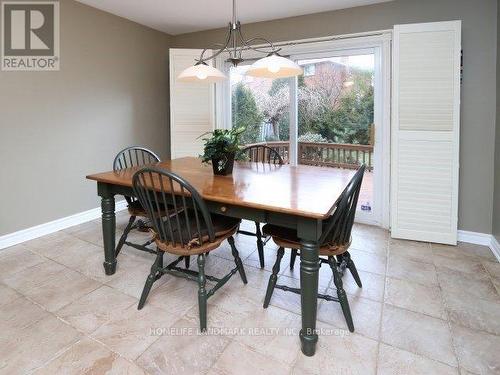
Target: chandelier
[{"x": 273, "y": 65}]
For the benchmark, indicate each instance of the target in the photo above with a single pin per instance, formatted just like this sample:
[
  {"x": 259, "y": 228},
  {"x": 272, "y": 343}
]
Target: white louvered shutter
[
  {"x": 192, "y": 110},
  {"x": 425, "y": 131}
]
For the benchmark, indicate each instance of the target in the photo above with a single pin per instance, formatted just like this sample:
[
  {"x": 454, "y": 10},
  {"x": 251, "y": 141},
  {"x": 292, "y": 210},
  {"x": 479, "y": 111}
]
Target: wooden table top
[{"x": 297, "y": 190}]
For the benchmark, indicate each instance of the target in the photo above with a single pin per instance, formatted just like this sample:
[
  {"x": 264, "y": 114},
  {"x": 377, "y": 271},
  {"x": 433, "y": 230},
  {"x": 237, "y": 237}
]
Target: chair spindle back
[
  {"x": 337, "y": 230},
  {"x": 134, "y": 156},
  {"x": 262, "y": 154},
  {"x": 172, "y": 204}
]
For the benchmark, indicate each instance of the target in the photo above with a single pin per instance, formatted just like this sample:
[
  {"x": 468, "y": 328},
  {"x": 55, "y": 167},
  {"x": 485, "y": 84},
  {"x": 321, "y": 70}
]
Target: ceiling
[{"x": 177, "y": 17}]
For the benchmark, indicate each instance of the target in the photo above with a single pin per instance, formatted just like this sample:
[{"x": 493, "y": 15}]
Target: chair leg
[
  {"x": 260, "y": 244},
  {"x": 344, "y": 303},
  {"x": 237, "y": 260},
  {"x": 151, "y": 278},
  {"x": 202, "y": 292},
  {"x": 353, "y": 270},
  {"x": 292, "y": 258},
  {"x": 273, "y": 278},
  {"x": 187, "y": 261},
  {"x": 123, "y": 238}
]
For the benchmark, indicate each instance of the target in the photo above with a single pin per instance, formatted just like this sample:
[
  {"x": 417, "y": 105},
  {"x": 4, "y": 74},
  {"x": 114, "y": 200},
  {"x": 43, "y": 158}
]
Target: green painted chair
[
  {"x": 187, "y": 229},
  {"x": 267, "y": 155},
  {"x": 134, "y": 156},
  {"x": 334, "y": 244}
]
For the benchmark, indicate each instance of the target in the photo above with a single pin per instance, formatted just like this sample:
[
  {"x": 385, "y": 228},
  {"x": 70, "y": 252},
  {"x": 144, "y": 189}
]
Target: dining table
[{"x": 300, "y": 197}]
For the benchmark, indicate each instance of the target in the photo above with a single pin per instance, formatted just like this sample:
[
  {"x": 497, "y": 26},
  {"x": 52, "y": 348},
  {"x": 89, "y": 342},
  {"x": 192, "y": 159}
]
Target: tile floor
[{"x": 424, "y": 309}]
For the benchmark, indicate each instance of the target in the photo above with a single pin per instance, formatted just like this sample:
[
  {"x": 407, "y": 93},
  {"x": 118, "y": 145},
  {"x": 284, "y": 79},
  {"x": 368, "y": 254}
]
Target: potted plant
[{"x": 222, "y": 149}]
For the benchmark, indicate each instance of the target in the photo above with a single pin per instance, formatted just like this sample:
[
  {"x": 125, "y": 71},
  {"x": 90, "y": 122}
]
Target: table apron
[{"x": 307, "y": 228}]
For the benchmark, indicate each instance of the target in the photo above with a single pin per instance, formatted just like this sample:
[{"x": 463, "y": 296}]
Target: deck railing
[{"x": 336, "y": 155}]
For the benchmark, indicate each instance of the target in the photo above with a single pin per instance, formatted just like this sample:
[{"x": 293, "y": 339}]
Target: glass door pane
[
  {"x": 262, "y": 107},
  {"x": 336, "y": 116}
]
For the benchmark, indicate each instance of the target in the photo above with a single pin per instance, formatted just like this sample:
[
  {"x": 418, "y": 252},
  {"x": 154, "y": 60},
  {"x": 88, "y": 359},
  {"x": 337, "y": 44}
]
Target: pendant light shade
[
  {"x": 201, "y": 73},
  {"x": 274, "y": 66}
]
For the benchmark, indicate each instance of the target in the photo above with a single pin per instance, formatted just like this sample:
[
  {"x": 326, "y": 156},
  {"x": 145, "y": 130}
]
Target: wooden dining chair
[
  {"x": 268, "y": 155},
  {"x": 134, "y": 156},
  {"x": 334, "y": 244},
  {"x": 185, "y": 230}
]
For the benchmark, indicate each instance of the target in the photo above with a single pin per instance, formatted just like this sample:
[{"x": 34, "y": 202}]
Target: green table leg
[
  {"x": 108, "y": 233},
  {"x": 309, "y": 268}
]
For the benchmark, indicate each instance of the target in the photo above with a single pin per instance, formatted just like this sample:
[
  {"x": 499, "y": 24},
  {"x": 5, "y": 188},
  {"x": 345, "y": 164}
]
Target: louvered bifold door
[
  {"x": 425, "y": 131},
  {"x": 192, "y": 111}
]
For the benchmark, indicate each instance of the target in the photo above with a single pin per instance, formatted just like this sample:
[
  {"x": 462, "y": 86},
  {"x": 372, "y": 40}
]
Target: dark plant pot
[{"x": 223, "y": 166}]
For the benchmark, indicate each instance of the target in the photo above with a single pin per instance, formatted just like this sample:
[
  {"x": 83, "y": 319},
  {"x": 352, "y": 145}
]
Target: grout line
[{"x": 382, "y": 312}]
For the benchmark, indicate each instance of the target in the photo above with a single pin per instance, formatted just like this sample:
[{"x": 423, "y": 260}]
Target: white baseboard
[
  {"x": 27, "y": 234},
  {"x": 474, "y": 237}
]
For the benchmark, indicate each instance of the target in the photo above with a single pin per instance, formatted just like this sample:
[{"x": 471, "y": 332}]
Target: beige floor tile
[
  {"x": 91, "y": 311},
  {"x": 257, "y": 280},
  {"x": 183, "y": 351},
  {"x": 38, "y": 275},
  {"x": 461, "y": 250},
  {"x": 60, "y": 291},
  {"x": 373, "y": 285},
  {"x": 474, "y": 313},
  {"x": 131, "y": 274},
  {"x": 406, "y": 269},
  {"x": 369, "y": 262},
  {"x": 273, "y": 332},
  {"x": 369, "y": 243},
  {"x": 457, "y": 282},
  {"x": 370, "y": 231},
  {"x": 7, "y": 295},
  {"x": 91, "y": 232},
  {"x": 35, "y": 345},
  {"x": 493, "y": 269},
  {"x": 245, "y": 245},
  {"x": 132, "y": 332},
  {"x": 51, "y": 245},
  {"x": 346, "y": 353},
  {"x": 85, "y": 258},
  {"x": 325, "y": 273},
  {"x": 417, "y": 333},
  {"x": 463, "y": 264},
  {"x": 366, "y": 314},
  {"x": 177, "y": 295},
  {"x": 227, "y": 311},
  {"x": 392, "y": 361},
  {"x": 270, "y": 252},
  {"x": 15, "y": 259},
  {"x": 89, "y": 357},
  {"x": 239, "y": 359},
  {"x": 483, "y": 252},
  {"x": 415, "y": 297},
  {"x": 418, "y": 251},
  {"x": 17, "y": 315},
  {"x": 476, "y": 351}
]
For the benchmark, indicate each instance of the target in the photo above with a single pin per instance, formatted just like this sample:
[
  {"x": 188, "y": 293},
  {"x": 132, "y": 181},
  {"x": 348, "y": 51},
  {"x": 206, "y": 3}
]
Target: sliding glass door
[
  {"x": 335, "y": 116},
  {"x": 329, "y": 117}
]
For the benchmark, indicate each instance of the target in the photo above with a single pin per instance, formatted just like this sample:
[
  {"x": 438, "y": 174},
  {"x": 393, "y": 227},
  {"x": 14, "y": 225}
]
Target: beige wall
[
  {"x": 478, "y": 89},
  {"x": 496, "y": 197},
  {"x": 56, "y": 127}
]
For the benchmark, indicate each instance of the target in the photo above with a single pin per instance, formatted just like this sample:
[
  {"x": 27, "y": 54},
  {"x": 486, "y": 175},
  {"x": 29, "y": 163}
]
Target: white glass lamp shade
[
  {"x": 201, "y": 73},
  {"x": 274, "y": 66}
]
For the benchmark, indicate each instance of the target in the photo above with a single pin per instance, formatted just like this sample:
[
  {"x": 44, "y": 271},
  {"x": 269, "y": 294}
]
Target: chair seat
[
  {"x": 287, "y": 238},
  {"x": 224, "y": 227}
]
